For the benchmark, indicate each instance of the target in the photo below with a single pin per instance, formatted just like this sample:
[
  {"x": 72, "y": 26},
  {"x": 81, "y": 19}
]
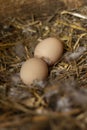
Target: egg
[
  {"x": 50, "y": 50},
  {"x": 33, "y": 69}
]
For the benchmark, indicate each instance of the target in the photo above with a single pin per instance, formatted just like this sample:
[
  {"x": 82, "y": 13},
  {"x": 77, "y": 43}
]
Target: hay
[{"x": 60, "y": 102}]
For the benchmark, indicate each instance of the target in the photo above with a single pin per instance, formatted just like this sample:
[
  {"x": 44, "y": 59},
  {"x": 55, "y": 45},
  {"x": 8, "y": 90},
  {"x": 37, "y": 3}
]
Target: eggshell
[
  {"x": 33, "y": 69},
  {"x": 50, "y": 50}
]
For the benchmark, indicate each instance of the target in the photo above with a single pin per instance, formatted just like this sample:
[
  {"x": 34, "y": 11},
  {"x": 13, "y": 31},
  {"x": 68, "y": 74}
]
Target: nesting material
[{"x": 59, "y": 102}]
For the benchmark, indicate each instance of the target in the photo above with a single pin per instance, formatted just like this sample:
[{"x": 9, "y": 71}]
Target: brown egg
[
  {"x": 50, "y": 50},
  {"x": 33, "y": 69}
]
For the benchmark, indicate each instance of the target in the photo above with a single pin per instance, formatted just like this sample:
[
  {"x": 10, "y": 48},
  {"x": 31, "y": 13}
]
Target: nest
[{"x": 60, "y": 102}]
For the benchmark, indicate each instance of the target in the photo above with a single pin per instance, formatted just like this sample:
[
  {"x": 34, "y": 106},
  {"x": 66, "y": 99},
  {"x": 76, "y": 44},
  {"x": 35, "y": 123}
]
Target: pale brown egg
[
  {"x": 50, "y": 50},
  {"x": 33, "y": 69}
]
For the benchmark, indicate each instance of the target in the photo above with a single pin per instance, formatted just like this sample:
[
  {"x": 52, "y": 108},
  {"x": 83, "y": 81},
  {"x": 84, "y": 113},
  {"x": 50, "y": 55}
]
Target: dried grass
[{"x": 60, "y": 102}]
